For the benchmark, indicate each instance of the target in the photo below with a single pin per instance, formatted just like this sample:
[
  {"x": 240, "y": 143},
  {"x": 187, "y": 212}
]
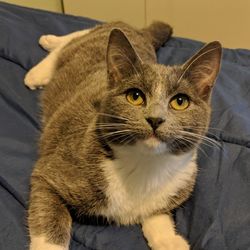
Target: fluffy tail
[{"x": 158, "y": 33}]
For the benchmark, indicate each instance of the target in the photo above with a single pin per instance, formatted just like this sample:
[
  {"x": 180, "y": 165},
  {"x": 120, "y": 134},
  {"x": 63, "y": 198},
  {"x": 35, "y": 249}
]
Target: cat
[{"x": 120, "y": 132}]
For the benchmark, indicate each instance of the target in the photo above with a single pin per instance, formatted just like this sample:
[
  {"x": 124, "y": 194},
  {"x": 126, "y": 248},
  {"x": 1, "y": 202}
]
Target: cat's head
[{"x": 161, "y": 108}]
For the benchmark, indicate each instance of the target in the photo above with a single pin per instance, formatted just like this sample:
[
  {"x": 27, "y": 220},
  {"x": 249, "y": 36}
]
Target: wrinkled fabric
[{"x": 216, "y": 217}]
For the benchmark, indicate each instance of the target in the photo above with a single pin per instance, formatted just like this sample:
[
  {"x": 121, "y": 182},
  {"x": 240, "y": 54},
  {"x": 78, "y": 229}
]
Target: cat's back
[
  {"x": 83, "y": 57},
  {"x": 92, "y": 47}
]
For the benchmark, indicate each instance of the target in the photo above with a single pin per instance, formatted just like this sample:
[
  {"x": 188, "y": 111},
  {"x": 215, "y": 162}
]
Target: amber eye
[
  {"x": 135, "y": 97},
  {"x": 180, "y": 102}
]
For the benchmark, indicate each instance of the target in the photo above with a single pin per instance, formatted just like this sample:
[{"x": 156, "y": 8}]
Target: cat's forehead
[{"x": 161, "y": 79}]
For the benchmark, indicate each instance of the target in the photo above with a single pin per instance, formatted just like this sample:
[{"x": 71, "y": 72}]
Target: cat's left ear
[
  {"x": 203, "y": 68},
  {"x": 122, "y": 60}
]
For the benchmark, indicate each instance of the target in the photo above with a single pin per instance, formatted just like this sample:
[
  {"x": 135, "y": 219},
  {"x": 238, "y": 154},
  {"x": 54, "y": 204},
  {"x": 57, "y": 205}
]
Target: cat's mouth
[
  {"x": 154, "y": 144},
  {"x": 152, "y": 141}
]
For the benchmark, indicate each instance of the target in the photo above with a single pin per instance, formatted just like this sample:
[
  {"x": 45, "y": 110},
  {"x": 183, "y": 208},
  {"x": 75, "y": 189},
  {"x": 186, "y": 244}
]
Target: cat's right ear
[{"x": 122, "y": 60}]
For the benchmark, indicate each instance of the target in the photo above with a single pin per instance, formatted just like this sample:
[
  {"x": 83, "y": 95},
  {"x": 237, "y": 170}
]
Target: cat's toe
[
  {"x": 172, "y": 243},
  {"x": 35, "y": 78},
  {"x": 180, "y": 244},
  {"x": 49, "y": 42}
]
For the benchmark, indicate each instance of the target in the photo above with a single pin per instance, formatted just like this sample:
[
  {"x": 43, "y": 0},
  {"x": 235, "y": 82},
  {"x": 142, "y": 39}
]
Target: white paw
[
  {"x": 50, "y": 42},
  {"x": 173, "y": 243},
  {"x": 37, "y": 77},
  {"x": 40, "y": 243}
]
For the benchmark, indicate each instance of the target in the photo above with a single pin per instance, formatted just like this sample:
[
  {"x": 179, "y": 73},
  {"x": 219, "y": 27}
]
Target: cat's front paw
[
  {"x": 173, "y": 243},
  {"x": 40, "y": 243},
  {"x": 37, "y": 77},
  {"x": 42, "y": 73},
  {"x": 50, "y": 42}
]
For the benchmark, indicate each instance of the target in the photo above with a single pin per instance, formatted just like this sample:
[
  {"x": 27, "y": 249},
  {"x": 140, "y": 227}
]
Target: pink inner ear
[
  {"x": 115, "y": 72},
  {"x": 203, "y": 78},
  {"x": 205, "y": 91}
]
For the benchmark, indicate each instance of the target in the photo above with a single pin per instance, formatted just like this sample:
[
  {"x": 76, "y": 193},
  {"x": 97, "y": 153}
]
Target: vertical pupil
[
  {"x": 135, "y": 95},
  {"x": 180, "y": 101}
]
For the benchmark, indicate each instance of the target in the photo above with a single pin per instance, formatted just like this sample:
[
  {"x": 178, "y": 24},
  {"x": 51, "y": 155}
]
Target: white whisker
[
  {"x": 206, "y": 140},
  {"x": 110, "y": 134},
  {"x": 113, "y": 116}
]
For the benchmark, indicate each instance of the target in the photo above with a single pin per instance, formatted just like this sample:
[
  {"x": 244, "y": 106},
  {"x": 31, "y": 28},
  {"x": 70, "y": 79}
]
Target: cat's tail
[{"x": 158, "y": 33}]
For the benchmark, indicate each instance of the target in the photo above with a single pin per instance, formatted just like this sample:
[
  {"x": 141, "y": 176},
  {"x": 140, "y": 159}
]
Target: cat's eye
[
  {"x": 180, "y": 102},
  {"x": 135, "y": 97}
]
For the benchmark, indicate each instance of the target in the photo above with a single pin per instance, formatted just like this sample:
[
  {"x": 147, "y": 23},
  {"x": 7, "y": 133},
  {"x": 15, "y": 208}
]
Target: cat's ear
[
  {"x": 202, "y": 69},
  {"x": 122, "y": 60}
]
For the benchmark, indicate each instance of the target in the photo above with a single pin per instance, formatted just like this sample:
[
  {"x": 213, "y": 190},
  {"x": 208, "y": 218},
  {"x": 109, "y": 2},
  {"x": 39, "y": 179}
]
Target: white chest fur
[{"x": 140, "y": 184}]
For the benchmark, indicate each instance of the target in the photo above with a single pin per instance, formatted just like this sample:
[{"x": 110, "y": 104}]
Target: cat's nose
[{"x": 155, "y": 122}]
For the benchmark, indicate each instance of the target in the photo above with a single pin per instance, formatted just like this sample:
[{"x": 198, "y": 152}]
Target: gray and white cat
[{"x": 120, "y": 132}]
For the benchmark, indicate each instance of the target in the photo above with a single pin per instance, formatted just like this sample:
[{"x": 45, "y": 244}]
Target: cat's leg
[
  {"x": 51, "y": 42},
  {"x": 49, "y": 220},
  {"x": 159, "y": 230},
  {"x": 42, "y": 73}
]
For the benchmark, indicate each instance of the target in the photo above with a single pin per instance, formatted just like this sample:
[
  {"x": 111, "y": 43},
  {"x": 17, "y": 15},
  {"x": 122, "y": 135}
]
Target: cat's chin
[{"x": 152, "y": 145}]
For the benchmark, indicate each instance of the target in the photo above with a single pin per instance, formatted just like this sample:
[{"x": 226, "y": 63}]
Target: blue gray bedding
[{"x": 216, "y": 217}]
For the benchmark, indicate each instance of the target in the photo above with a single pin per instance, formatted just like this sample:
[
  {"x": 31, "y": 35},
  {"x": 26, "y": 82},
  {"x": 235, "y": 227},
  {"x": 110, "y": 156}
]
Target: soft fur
[{"x": 101, "y": 155}]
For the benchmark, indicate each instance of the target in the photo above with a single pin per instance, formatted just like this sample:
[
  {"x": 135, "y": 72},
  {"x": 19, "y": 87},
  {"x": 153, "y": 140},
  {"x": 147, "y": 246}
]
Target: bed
[{"x": 217, "y": 215}]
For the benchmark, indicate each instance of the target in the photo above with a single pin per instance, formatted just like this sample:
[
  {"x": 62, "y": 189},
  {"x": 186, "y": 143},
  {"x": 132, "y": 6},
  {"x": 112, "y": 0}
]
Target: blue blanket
[{"x": 216, "y": 217}]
